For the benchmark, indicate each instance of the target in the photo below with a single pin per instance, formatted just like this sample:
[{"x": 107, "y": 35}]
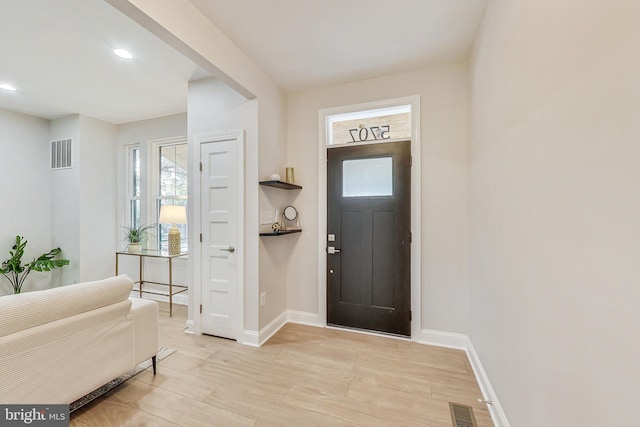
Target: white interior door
[{"x": 220, "y": 243}]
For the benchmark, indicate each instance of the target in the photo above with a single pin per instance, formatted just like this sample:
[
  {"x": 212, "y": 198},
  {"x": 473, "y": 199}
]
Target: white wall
[
  {"x": 555, "y": 235},
  {"x": 98, "y": 198},
  {"x": 25, "y": 188},
  {"x": 274, "y": 252},
  {"x": 443, "y": 94},
  {"x": 65, "y": 199},
  {"x": 73, "y": 209},
  {"x": 83, "y": 213}
]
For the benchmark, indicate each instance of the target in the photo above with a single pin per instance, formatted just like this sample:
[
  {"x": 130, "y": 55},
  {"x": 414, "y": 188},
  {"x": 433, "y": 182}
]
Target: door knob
[
  {"x": 230, "y": 249},
  {"x": 332, "y": 250}
]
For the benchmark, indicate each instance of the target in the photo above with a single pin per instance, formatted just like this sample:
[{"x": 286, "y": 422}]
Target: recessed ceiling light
[
  {"x": 123, "y": 53},
  {"x": 8, "y": 87}
]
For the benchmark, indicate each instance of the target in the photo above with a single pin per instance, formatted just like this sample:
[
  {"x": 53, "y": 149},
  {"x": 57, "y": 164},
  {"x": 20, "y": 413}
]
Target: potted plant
[
  {"x": 137, "y": 235},
  {"x": 16, "y": 273}
]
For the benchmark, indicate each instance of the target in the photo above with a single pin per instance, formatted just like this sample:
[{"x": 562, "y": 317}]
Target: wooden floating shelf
[
  {"x": 280, "y": 233},
  {"x": 281, "y": 184}
]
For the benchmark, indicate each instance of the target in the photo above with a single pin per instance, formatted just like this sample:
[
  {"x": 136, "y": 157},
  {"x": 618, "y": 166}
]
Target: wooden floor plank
[{"x": 303, "y": 376}]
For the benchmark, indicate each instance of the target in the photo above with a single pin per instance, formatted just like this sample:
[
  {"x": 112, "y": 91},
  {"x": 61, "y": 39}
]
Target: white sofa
[{"x": 59, "y": 344}]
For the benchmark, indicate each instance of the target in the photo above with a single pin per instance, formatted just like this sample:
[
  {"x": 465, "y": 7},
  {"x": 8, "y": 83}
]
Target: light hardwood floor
[{"x": 303, "y": 376}]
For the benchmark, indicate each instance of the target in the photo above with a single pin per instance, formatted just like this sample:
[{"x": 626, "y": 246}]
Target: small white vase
[{"x": 135, "y": 247}]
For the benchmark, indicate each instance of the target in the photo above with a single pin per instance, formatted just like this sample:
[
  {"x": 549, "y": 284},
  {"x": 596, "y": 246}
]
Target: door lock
[
  {"x": 230, "y": 249},
  {"x": 332, "y": 250}
]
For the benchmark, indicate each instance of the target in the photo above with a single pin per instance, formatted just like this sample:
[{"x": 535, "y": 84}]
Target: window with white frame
[
  {"x": 171, "y": 173},
  {"x": 165, "y": 182},
  {"x": 133, "y": 185}
]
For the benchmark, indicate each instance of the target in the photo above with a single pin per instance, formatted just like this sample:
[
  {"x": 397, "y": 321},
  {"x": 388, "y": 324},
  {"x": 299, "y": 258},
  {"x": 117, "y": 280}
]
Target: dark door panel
[{"x": 368, "y": 280}]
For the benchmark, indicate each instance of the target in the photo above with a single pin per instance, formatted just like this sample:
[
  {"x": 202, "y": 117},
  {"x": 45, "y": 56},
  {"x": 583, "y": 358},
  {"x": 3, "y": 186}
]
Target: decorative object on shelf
[
  {"x": 278, "y": 227},
  {"x": 173, "y": 214},
  {"x": 13, "y": 269},
  {"x": 290, "y": 174},
  {"x": 137, "y": 235},
  {"x": 275, "y": 177},
  {"x": 290, "y": 214}
]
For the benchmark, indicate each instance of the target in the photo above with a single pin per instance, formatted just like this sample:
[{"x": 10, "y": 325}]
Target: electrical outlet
[
  {"x": 263, "y": 298},
  {"x": 266, "y": 217}
]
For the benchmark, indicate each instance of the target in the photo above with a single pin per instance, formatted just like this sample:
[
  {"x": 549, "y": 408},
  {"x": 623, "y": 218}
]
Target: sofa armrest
[{"x": 145, "y": 329}]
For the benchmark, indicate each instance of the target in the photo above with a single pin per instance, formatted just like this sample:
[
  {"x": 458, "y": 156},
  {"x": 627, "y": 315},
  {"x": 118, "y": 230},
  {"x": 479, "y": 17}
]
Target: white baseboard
[
  {"x": 256, "y": 339},
  {"x": 273, "y": 327},
  {"x": 443, "y": 339},
  {"x": 304, "y": 318},
  {"x": 462, "y": 342},
  {"x": 250, "y": 338},
  {"x": 495, "y": 409},
  {"x": 189, "y": 328}
]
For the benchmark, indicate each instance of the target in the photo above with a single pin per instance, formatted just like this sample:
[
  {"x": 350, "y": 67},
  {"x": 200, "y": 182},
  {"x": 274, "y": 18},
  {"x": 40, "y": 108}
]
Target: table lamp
[{"x": 171, "y": 214}]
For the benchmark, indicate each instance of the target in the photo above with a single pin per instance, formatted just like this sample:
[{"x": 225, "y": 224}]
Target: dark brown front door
[{"x": 369, "y": 237}]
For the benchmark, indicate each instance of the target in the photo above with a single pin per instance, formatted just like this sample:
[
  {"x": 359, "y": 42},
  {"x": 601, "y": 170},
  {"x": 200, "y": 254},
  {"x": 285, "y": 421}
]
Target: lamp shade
[{"x": 171, "y": 214}]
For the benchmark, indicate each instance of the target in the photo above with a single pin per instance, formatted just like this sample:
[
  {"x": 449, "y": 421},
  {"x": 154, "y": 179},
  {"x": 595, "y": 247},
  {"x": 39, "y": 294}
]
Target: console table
[{"x": 148, "y": 253}]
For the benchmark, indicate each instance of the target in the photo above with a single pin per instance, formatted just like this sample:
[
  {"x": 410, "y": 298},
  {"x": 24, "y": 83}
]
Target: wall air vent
[{"x": 61, "y": 154}]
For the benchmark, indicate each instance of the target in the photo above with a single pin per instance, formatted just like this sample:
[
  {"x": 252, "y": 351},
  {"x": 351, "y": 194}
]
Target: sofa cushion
[{"x": 30, "y": 309}]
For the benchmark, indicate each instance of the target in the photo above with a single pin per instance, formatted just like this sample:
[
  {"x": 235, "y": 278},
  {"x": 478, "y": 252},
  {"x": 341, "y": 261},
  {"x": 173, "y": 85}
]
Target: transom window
[{"x": 370, "y": 126}]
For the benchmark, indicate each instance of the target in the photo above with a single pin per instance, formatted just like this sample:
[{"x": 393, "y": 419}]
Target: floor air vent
[
  {"x": 61, "y": 154},
  {"x": 462, "y": 415}
]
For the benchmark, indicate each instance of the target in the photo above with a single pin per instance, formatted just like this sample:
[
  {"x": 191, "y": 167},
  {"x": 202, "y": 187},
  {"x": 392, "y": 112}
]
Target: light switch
[{"x": 266, "y": 218}]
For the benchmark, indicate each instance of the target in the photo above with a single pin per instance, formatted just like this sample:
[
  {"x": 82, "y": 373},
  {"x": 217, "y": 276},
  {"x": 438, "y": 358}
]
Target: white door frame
[
  {"x": 416, "y": 300},
  {"x": 195, "y": 246}
]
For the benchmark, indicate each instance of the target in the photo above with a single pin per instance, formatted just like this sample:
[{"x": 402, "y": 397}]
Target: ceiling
[
  {"x": 304, "y": 44},
  {"x": 58, "y": 53}
]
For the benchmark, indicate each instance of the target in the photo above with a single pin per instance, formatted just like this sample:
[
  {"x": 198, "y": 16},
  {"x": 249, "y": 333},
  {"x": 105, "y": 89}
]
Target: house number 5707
[{"x": 369, "y": 134}]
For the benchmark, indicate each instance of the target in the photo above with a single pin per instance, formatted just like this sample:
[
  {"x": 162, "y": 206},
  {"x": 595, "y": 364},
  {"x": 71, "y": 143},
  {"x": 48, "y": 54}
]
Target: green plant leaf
[
  {"x": 45, "y": 262},
  {"x": 13, "y": 264},
  {"x": 138, "y": 234},
  {"x": 16, "y": 273}
]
